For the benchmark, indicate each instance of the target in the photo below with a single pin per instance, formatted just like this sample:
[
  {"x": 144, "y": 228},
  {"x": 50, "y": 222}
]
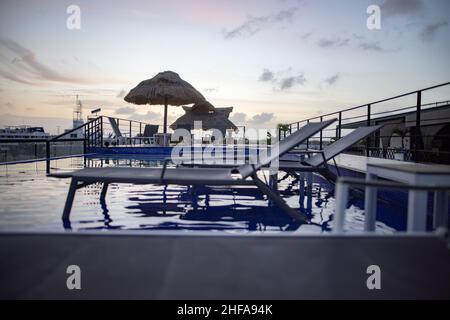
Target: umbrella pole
[{"x": 165, "y": 114}]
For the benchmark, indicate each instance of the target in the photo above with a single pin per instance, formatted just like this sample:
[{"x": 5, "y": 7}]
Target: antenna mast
[{"x": 78, "y": 111}]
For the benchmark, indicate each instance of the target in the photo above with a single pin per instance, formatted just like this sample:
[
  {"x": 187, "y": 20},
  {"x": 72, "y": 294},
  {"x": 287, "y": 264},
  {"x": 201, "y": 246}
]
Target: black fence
[
  {"x": 92, "y": 134},
  {"x": 410, "y": 118}
]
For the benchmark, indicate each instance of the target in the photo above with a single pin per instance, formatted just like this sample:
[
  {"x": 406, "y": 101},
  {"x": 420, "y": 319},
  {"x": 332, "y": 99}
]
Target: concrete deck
[
  {"x": 173, "y": 266},
  {"x": 359, "y": 163}
]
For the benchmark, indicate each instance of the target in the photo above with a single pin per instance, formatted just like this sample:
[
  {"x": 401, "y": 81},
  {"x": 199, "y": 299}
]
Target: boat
[{"x": 23, "y": 132}]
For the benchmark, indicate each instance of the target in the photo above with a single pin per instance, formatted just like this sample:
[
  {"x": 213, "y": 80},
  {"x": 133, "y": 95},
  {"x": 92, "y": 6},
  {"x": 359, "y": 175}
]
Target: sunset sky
[{"x": 272, "y": 60}]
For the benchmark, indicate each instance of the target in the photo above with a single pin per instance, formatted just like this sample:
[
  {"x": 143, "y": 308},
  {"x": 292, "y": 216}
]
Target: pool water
[{"x": 29, "y": 200}]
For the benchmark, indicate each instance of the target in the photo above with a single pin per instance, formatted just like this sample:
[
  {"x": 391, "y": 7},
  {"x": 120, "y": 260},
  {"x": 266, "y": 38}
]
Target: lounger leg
[
  {"x": 104, "y": 191},
  {"x": 309, "y": 181},
  {"x": 69, "y": 200},
  {"x": 301, "y": 188},
  {"x": 278, "y": 200},
  {"x": 273, "y": 179}
]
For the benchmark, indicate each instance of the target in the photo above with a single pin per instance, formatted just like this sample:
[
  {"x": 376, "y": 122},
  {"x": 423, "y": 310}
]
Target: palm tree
[
  {"x": 402, "y": 134},
  {"x": 283, "y": 128}
]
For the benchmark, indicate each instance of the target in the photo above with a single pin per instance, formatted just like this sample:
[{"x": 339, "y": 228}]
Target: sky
[{"x": 274, "y": 61}]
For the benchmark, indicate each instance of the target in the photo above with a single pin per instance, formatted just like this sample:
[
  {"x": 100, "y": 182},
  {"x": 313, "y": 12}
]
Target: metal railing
[
  {"x": 93, "y": 136},
  {"x": 369, "y": 117}
]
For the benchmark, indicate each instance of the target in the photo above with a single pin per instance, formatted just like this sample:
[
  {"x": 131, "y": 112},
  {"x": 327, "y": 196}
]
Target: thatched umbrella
[
  {"x": 203, "y": 107},
  {"x": 166, "y": 88},
  {"x": 217, "y": 119}
]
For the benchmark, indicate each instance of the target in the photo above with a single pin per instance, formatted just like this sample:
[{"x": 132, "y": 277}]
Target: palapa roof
[
  {"x": 203, "y": 107},
  {"x": 165, "y": 84},
  {"x": 218, "y": 119}
]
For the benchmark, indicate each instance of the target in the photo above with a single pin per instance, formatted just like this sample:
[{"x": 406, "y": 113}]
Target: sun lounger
[
  {"x": 117, "y": 133},
  {"x": 319, "y": 162},
  {"x": 193, "y": 176}
]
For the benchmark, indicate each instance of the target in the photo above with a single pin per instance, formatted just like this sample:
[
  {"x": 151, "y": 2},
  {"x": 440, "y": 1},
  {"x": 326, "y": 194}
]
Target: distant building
[{"x": 435, "y": 130}]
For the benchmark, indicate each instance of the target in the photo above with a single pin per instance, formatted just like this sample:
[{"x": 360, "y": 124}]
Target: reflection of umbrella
[
  {"x": 218, "y": 119},
  {"x": 166, "y": 88}
]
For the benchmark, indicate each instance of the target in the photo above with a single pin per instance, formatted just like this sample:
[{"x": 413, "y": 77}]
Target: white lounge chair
[
  {"x": 319, "y": 162},
  {"x": 193, "y": 176}
]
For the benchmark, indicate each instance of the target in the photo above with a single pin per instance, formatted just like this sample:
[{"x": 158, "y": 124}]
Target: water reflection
[
  {"x": 208, "y": 208},
  {"x": 25, "y": 192}
]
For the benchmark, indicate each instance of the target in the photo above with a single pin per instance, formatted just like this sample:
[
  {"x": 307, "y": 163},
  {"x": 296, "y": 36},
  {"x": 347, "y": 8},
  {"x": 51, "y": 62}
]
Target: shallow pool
[{"x": 31, "y": 200}]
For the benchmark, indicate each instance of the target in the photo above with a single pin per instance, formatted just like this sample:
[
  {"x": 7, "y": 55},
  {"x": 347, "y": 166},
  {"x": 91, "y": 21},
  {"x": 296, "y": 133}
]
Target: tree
[
  {"x": 402, "y": 134},
  {"x": 283, "y": 128}
]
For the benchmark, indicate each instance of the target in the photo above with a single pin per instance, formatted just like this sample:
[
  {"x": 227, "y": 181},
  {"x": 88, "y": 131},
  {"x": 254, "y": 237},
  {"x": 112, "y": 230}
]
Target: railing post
[
  {"x": 418, "y": 131},
  {"x": 101, "y": 131},
  {"x": 85, "y": 133},
  {"x": 130, "y": 134},
  {"x": 368, "y": 137},
  {"x": 307, "y": 140},
  {"x": 340, "y": 125},
  {"x": 47, "y": 156},
  {"x": 321, "y": 135}
]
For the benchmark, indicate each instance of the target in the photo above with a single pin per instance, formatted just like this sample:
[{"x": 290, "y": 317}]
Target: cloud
[
  {"x": 28, "y": 61},
  {"x": 121, "y": 93},
  {"x": 371, "y": 46},
  {"x": 125, "y": 110},
  {"x": 336, "y": 42},
  {"x": 257, "y": 120},
  {"x": 333, "y": 79},
  {"x": 133, "y": 114},
  {"x": 289, "y": 82},
  {"x": 254, "y": 24},
  {"x": 267, "y": 75},
  {"x": 25, "y": 67},
  {"x": 282, "y": 79},
  {"x": 429, "y": 32},
  {"x": 356, "y": 41},
  {"x": 150, "y": 116},
  {"x": 238, "y": 118},
  {"x": 262, "y": 118},
  {"x": 12, "y": 77},
  {"x": 400, "y": 7},
  {"x": 306, "y": 36}
]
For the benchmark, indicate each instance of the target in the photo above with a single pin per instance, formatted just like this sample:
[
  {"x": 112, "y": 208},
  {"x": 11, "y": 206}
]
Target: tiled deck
[{"x": 359, "y": 163}]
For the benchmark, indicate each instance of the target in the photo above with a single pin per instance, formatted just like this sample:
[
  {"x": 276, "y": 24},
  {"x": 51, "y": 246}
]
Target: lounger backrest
[
  {"x": 115, "y": 127},
  {"x": 150, "y": 130},
  {"x": 285, "y": 145},
  {"x": 341, "y": 145}
]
